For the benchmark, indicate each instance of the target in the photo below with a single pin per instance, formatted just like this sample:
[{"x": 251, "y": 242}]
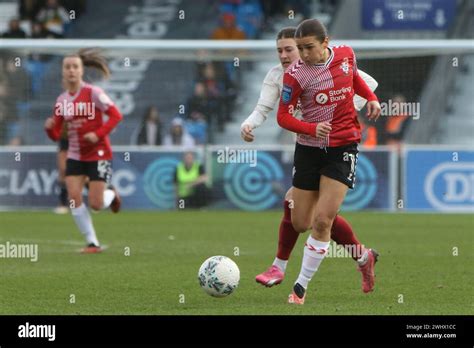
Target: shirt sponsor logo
[
  {"x": 332, "y": 95},
  {"x": 321, "y": 98}
]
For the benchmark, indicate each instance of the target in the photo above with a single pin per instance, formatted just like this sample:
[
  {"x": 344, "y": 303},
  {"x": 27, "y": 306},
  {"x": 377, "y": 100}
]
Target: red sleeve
[
  {"x": 288, "y": 100},
  {"x": 361, "y": 89},
  {"x": 114, "y": 118},
  {"x": 55, "y": 132},
  {"x": 360, "y": 86}
]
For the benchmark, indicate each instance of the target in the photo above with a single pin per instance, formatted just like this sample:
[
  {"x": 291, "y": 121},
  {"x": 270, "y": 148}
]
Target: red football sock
[
  {"x": 287, "y": 235},
  {"x": 342, "y": 233}
]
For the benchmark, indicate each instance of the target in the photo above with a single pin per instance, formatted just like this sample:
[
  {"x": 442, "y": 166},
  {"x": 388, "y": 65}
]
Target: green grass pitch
[{"x": 417, "y": 272}]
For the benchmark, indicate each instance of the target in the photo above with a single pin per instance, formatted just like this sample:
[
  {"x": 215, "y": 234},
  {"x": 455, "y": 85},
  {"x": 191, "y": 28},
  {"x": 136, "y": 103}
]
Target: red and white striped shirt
[
  {"x": 83, "y": 113},
  {"x": 326, "y": 93}
]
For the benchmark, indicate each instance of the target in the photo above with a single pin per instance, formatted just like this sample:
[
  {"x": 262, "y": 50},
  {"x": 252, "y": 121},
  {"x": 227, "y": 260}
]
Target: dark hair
[
  {"x": 92, "y": 58},
  {"x": 149, "y": 110},
  {"x": 286, "y": 33},
  {"x": 312, "y": 27}
]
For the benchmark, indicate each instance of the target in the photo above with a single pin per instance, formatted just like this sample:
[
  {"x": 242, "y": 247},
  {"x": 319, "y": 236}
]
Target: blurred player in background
[
  {"x": 89, "y": 155},
  {"x": 341, "y": 231},
  {"x": 324, "y": 80}
]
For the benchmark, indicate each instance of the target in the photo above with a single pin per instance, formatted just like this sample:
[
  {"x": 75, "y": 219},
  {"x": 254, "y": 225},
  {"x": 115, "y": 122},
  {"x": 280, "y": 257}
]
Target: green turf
[{"x": 167, "y": 249}]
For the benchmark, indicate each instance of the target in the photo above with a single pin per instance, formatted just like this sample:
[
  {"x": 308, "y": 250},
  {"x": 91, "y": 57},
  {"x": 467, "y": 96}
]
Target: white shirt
[
  {"x": 151, "y": 133},
  {"x": 271, "y": 90}
]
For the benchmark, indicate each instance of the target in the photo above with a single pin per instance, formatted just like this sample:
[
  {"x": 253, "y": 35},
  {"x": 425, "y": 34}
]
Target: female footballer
[
  {"x": 324, "y": 80},
  {"x": 89, "y": 155},
  {"x": 341, "y": 231}
]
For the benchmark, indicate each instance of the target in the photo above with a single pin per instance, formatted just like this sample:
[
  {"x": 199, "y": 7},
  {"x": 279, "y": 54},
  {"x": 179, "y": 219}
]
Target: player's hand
[
  {"x": 323, "y": 129},
  {"x": 49, "y": 123},
  {"x": 91, "y": 137},
  {"x": 246, "y": 133},
  {"x": 373, "y": 110}
]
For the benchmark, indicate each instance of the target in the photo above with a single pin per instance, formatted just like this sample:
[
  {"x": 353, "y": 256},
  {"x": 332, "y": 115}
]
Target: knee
[
  {"x": 322, "y": 223},
  {"x": 96, "y": 204},
  {"x": 300, "y": 226},
  {"x": 75, "y": 199}
]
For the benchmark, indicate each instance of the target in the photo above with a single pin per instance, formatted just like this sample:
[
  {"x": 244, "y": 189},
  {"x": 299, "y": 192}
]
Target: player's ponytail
[
  {"x": 92, "y": 58},
  {"x": 312, "y": 27}
]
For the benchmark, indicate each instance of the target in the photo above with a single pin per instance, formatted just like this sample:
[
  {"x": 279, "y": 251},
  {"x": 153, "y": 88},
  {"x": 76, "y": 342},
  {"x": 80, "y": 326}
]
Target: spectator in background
[
  {"x": 178, "y": 136},
  {"x": 219, "y": 89},
  {"x": 396, "y": 125},
  {"x": 16, "y": 98},
  {"x": 14, "y": 31},
  {"x": 199, "y": 102},
  {"x": 215, "y": 94},
  {"x": 228, "y": 29},
  {"x": 54, "y": 16},
  {"x": 249, "y": 16},
  {"x": 190, "y": 180},
  {"x": 196, "y": 125},
  {"x": 39, "y": 31},
  {"x": 214, "y": 87},
  {"x": 29, "y": 9},
  {"x": 151, "y": 128},
  {"x": 369, "y": 137}
]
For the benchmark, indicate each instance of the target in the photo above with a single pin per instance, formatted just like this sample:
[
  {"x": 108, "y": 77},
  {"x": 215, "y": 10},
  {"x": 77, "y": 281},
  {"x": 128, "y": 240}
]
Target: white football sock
[
  {"x": 281, "y": 264},
  {"x": 84, "y": 223},
  {"x": 109, "y": 196},
  {"x": 314, "y": 253},
  {"x": 363, "y": 259}
]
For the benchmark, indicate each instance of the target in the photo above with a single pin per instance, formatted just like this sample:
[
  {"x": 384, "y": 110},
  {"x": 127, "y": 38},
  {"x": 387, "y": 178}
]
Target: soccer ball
[{"x": 219, "y": 276}]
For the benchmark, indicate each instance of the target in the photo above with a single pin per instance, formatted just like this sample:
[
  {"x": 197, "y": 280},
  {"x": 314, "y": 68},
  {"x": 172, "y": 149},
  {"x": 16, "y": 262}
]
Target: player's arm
[
  {"x": 269, "y": 95},
  {"x": 288, "y": 102},
  {"x": 53, "y": 124},
  {"x": 114, "y": 119},
  {"x": 104, "y": 103},
  {"x": 175, "y": 181},
  {"x": 361, "y": 88},
  {"x": 359, "y": 102},
  {"x": 202, "y": 176}
]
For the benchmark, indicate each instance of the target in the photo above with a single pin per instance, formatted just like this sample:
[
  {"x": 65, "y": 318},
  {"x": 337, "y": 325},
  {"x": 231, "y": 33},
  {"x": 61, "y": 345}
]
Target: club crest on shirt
[
  {"x": 286, "y": 94},
  {"x": 345, "y": 66}
]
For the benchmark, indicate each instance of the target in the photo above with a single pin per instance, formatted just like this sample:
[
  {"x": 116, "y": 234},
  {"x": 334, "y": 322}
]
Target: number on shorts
[
  {"x": 102, "y": 168},
  {"x": 353, "y": 159}
]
